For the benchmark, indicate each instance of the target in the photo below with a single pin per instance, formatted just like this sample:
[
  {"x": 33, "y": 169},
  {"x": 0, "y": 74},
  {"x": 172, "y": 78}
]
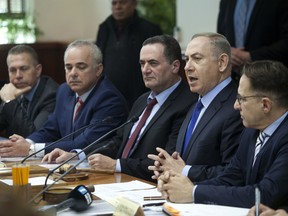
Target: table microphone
[
  {"x": 79, "y": 199},
  {"x": 105, "y": 120},
  {"x": 46, "y": 188}
]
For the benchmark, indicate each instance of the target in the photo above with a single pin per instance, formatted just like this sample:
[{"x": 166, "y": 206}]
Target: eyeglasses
[{"x": 240, "y": 98}]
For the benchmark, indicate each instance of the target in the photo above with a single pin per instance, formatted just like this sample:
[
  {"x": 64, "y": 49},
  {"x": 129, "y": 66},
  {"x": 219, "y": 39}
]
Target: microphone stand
[
  {"x": 46, "y": 188},
  {"x": 68, "y": 135}
]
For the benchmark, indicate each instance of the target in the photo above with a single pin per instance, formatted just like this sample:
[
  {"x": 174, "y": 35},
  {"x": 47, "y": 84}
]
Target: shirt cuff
[
  {"x": 185, "y": 170},
  {"x": 118, "y": 166},
  {"x": 81, "y": 156},
  {"x": 38, "y": 147},
  {"x": 193, "y": 193}
]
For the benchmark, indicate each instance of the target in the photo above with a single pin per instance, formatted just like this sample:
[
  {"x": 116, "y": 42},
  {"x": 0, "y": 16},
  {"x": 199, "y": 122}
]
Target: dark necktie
[
  {"x": 24, "y": 104},
  {"x": 78, "y": 107},
  {"x": 260, "y": 140},
  {"x": 137, "y": 130},
  {"x": 191, "y": 125}
]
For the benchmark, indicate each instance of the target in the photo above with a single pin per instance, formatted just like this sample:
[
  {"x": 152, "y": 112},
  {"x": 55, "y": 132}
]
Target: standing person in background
[
  {"x": 120, "y": 39},
  {"x": 256, "y": 30},
  {"x": 29, "y": 97},
  {"x": 86, "y": 98}
]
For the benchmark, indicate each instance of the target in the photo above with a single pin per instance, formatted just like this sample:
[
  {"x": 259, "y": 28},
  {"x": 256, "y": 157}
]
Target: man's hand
[
  {"x": 164, "y": 162},
  {"x": 102, "y": 163},
  {"x": 10, "y": 92},
  {"x": 16, "y": 146},
  {"x": 239, "y": 57},
  {"x": 175, "y": 187},
  {"x": 57, "y": 155},
  {"x": 266, "y": 211}
]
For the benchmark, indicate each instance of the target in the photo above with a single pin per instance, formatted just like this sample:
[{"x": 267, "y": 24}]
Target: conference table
[{"x": 99, "y": 178}]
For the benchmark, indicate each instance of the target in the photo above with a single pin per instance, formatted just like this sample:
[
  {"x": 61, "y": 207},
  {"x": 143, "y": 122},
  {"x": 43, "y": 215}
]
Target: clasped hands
[
  {"x": 167, "y": 169},
  {"x": 15, "y": 146},
  {"x": 98, "y": 162}
]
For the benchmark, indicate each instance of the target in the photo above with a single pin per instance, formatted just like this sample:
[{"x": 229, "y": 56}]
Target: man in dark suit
[
  {"x": 26, "y": 84},
  {"x": 261, "y": 159},
  {"x": 85, "y": 87},
  {"x": 215, "y": 138},
  {"x": 120, "y": 39},
  {"x": 265, "y": 32},
  {"x": 160, "y": 60}
]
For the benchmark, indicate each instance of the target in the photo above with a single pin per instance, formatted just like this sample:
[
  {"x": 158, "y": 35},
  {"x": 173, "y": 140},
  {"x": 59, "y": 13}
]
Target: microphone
[
  {"x": 105, "y": 120},
  {"x": 46, "y": 188},
  {"x": 79, "y": 199}
]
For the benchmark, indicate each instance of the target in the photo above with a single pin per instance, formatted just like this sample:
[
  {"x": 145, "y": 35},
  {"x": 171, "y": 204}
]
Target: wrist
[{"x": 31, "y": 148}]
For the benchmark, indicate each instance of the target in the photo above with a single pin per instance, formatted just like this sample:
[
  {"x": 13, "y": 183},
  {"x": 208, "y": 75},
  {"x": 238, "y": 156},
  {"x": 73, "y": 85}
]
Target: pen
[
  {"x": 153, "y": 198},
  {"x": 153, "y": 204},
  {"x": 257, "y": 201}
]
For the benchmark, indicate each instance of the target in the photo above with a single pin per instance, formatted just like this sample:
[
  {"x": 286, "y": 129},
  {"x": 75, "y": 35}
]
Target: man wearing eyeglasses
[
  {"x": 204, "y": 150},
  {"x": 261, "y": 160}
]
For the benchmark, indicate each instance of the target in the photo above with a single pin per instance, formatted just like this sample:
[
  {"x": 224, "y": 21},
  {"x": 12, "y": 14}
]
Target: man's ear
[
  {"x": 223, "y": 62},
  {"x": 99, "y": 70},
  {"x": 266, "y": 104}
]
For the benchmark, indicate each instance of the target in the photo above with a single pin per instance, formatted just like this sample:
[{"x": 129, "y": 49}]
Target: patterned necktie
[
  {"x": 260, "y": 140},
  {"x": 137, "y": 130},
  {"x": 240, "y": 23},
  {"x": 77, "y": 108},
  {"x": 24, "y": 104},
  {"x": 191, "y": 125}
]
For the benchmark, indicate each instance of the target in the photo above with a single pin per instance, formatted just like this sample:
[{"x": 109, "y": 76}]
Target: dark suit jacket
[
  {"x": 103, "y": 101},
  {"x": 215, "y": 139},
  {"x": 267, "y": 33},
  {"x": 162, "y": 131},
  {"x": 121, "y": 54},
  {"x": 236, "y": 185},
  {"x": 15, "y": 121}
]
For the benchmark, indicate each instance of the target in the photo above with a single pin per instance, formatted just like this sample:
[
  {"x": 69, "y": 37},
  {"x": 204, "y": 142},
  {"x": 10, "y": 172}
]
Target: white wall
[
  {"x": 194, "y": 16},
  {"x": 67, "y": 20}
]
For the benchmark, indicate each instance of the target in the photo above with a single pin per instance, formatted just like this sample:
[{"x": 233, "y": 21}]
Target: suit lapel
[
  {"x": 253, "y": 17},
  {"x": 70, "y": 111},
  {"x": 210, "y": 112},
  {"x": 250, "y": 158},
  {"x": 164, "y": 107},
  {"x": 182, "y": 131}
]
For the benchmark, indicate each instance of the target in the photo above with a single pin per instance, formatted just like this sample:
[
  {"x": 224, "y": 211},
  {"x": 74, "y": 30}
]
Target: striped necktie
[
  {"x": 260, "y": 140},
  {"x": 78, "y": 107}
]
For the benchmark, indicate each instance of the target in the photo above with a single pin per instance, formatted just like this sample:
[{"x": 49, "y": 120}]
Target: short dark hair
[
  {"x": 269, "y": 78},
  {"x": 172, "y": 49},
  {"x": 22, "y": 48}
]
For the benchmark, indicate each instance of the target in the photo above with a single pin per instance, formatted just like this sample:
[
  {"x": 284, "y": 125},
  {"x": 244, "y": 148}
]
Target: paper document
[
  {"x": 206, "y": 210},
  {"x": 133, "y": 190}
]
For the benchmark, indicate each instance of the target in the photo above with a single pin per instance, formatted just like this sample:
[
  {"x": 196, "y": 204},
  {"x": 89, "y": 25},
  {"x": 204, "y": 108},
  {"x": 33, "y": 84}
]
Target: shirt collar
[
  {"x": 161, "y": 97},
  {"x": 29, "y": 95},
  {"x": 209, "y": 97}
]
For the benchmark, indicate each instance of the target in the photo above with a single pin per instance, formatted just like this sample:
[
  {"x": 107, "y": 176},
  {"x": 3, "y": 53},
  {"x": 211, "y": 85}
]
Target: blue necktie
[
  {"x": 191, "y": 125},
  {"x": 240, "y": 23}
]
